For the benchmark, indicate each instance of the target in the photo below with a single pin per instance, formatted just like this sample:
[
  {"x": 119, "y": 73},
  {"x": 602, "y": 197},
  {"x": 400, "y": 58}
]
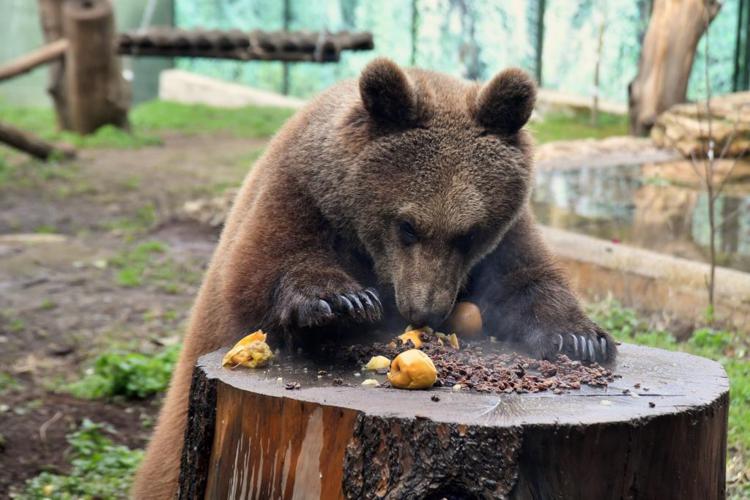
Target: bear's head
[{"x": 440, "y": 168}]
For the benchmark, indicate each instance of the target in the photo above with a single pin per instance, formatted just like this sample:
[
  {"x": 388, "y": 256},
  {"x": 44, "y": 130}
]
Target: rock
[
  {"x": 211, "y": 211},
  {"x": 685, "y": 126}
]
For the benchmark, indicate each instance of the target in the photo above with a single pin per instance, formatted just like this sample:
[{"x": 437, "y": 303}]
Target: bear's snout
[{"x": 422, "y": 305}]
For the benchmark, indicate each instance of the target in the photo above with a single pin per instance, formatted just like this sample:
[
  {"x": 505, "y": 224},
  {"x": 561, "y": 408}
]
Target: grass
[
  {"x": 562, "y": 126},
  {"x": 148, "y": 120},
  {"x": 131, "y": 375},
  {"x": 731, "y": 349},
  {"x": 100, "y": 469},
  {"x": 147, "y": 264}
]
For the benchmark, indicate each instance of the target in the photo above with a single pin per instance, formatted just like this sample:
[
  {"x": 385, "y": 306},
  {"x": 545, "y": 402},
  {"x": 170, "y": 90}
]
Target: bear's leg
[
  {"x": 286, "y": 273},
  {"x": 525, "y": 298}
]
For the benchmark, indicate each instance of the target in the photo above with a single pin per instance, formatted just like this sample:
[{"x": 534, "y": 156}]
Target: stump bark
[{"x": 250, "y": 437}]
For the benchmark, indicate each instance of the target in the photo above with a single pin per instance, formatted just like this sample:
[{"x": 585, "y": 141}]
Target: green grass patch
[
  {"x": 131, "y": 375},
  {"x": 7, "y": 383},
  {"x": 147, "y": 121},
  {"x": 728, "y": 348},
  {"x": 100, "y": 469},
  {"x": 148, "y": 264},
  {"x": 249, "y": 121},
  {"x": 563, "y": 126},
  {"x": 141, "y": 221}
]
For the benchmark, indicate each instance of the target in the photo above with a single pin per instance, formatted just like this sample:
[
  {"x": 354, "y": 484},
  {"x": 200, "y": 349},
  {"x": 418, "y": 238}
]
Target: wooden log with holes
[
  {"x": 33, "y": 145},
  {"x": 250, "y": 437}
]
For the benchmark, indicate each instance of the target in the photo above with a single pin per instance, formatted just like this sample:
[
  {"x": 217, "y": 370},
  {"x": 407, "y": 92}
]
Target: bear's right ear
[
  {"x": 505, "y": 103},
  {"x": 387, "y": 93}
]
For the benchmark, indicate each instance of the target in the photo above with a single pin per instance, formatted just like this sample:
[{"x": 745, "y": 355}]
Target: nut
[
  {"x": 377, "y": 363},
  {"x": 465, "y": 320},
  {"x": 251, "y": 352},
  {"x": 412, "y": 369}
]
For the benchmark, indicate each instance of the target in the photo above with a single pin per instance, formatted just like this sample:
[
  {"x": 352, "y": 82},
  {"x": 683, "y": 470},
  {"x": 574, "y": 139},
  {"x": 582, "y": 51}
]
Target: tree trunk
[
  {"x": 50, "y": 15},
  {"x": 96, "y": 92},
  {"x": 666, "y": 59},
  {"x": 250, "y": 437}
]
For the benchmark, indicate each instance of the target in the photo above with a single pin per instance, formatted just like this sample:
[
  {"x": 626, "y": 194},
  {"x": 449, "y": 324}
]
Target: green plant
[
  {"x": 131, "y": 375},
  {"x": 100, "y": 469}
]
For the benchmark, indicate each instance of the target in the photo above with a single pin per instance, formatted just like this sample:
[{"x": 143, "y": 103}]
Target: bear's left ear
[
  {"x": 505, "y": 103},
  {"x": 387, "y": 93}
]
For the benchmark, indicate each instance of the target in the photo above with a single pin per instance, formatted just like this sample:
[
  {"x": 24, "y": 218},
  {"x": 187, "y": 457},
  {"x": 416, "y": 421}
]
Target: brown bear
[{"x": 397, "y": 193}]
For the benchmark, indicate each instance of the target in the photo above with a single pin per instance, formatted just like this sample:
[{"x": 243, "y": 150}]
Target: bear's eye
[{"x": 407, "y": 233}]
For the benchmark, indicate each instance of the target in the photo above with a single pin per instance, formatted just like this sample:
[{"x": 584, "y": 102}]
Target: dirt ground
[{"x": 60, "y": 299}]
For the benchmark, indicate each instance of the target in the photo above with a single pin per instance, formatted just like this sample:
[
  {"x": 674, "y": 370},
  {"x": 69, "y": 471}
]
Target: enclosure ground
[{"x": 65, "y": 295}]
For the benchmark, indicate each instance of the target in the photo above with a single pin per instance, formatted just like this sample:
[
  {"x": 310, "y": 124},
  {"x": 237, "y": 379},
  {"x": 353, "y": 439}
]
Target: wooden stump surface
[{"x": 250, "y": 437}]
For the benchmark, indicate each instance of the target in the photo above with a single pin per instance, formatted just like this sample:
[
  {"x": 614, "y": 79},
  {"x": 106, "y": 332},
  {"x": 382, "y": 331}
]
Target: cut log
[
  {"x": 666, "y": 59},
  {"x": 659, "y": 431},
  {"x": 24, "y": 64},
  {"x": 33, "y": 145},
  {"x": 95, "y": 90}
]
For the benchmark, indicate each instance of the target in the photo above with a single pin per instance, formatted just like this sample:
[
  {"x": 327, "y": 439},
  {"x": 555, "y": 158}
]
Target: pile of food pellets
[{"x": 480, "y": 367}]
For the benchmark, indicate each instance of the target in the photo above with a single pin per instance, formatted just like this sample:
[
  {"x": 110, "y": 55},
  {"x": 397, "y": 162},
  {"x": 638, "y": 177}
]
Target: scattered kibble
[
  {"x": 481, "y": 368},
  {"x": 651, "y": 404},
  {"x": 292, "y": 386},
  {"x": 435, "y": 398},
  {"x": 370, "y": 382},
  {"x": 457, "y": 387}
]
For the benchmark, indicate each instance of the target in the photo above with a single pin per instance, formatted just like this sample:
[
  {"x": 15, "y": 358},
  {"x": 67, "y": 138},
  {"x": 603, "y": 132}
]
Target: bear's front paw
[{"x": 306, "y": 309}]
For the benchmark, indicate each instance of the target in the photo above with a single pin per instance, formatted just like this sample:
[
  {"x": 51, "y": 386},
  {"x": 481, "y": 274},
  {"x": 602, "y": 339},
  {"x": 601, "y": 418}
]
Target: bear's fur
[{"x": 398, "y": 193}]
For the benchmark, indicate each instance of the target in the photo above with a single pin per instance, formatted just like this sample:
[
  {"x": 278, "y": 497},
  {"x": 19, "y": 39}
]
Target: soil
[{"x": 60, "y": 301}]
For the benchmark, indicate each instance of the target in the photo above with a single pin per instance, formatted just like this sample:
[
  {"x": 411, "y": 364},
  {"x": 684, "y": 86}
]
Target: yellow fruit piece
[
  {"x": 370, "y": 382},
  {"x": 466, "y": 320},
  {"x": 251, "y": 352},
  {"x": 378, "y": 363},
  {"x": 453, "y": 341},
  {"x": 412, "y": 335},
  {"x": 412, "y": 369}
]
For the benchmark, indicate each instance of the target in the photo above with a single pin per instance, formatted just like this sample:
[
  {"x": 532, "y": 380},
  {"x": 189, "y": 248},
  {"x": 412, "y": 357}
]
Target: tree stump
[{"x": 249, "y": 436}]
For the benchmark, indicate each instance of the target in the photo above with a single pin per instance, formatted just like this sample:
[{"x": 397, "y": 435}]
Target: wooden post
[
  {"x": 658, "y": 432},
  {"x": 666, "y": 59},
  {"x": 50, "y": 15},
  {"x": 95, "y": 90}
]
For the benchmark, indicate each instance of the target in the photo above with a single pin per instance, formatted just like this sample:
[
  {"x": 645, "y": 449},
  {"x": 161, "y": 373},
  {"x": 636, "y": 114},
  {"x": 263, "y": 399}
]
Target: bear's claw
[
  {"x": 363, "y": 305},
  {"x": 584, "y": 347}
]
